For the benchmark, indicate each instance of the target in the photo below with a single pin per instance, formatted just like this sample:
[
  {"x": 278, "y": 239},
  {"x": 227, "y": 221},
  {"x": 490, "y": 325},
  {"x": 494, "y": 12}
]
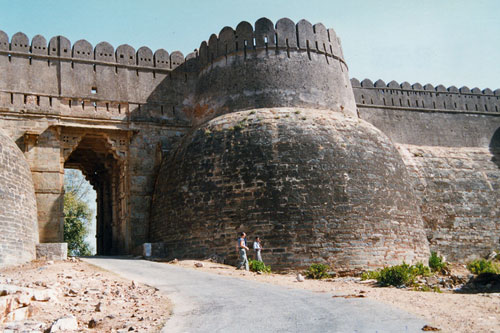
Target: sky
[{"x": 449, "y": 42}]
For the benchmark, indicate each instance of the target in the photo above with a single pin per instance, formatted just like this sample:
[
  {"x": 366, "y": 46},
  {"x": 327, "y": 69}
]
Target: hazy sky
[{"x": 450, "y": 42}]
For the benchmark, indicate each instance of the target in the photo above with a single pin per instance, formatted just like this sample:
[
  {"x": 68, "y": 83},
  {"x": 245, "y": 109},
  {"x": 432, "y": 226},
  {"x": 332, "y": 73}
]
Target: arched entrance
[{"x": 101, "y": 155}]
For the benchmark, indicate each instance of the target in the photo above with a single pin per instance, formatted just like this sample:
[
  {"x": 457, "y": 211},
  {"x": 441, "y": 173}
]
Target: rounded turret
[
  {"x": 286, "y": 64},
  {"x": 315, "y": 185},
  {"x": 18, "y": 213}
]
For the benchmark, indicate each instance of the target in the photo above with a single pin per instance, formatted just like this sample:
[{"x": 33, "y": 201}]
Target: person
[
  {"x": 257, "y": 248},
  {"x": 242, "y": 250}
]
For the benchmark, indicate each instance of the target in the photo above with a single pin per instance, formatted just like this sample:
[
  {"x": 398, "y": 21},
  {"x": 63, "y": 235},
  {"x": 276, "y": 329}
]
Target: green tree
[{"x": 77, "y": 214}]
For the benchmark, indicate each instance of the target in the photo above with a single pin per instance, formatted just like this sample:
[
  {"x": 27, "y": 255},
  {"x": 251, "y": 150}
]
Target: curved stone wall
[
  {"x": 271, "y": 65},
  {"x": 18, "y": 213},
  {"x": 317, "y": 186}
]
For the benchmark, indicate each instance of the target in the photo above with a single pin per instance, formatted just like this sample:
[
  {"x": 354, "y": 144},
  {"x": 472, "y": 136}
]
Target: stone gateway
[{"x": 259, "y": 130}]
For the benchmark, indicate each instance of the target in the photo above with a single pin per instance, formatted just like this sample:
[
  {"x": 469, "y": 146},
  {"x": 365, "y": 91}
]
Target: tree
[{"x": 77, "y": 214}]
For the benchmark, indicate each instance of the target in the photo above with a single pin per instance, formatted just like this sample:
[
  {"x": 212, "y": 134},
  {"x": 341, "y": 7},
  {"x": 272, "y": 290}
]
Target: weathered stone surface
[
  {"x": 64, "y": 324},
  {"x": 314, "y": 185},
  {"x": 18, "y": 223},
  {"x": 52, "y": 251},
  {"x": 459, "y": 198},
  {"x": 118, "y": 115}
]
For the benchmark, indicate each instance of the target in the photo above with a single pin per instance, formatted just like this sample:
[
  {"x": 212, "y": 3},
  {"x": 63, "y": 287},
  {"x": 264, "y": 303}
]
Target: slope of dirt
[{"x": 100, "y": 301}]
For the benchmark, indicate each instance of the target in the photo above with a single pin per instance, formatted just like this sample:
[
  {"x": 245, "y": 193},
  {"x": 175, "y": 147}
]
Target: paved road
[{"x": 205, "y": 302}]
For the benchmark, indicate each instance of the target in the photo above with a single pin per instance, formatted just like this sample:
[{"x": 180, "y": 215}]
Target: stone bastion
[
  {"x": 18, "y": 222},
  {"x": 259, "y": 130},
  {"x": 278, "y": 151}
]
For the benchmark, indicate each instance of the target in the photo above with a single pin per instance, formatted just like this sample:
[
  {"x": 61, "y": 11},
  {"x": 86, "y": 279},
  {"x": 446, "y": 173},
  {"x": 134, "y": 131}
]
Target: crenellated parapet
[
  {"x": 416, "y": 96},
  {"x": 82, "y": 51},
  {"x": 271, "y": 65},
  {"x": 285, "y": 35},
  {"x": 83, "y": 81}
]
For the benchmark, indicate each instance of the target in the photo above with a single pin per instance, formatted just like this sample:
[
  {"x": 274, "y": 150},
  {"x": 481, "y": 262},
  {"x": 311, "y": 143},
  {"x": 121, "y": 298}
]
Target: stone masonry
[
  {"x": 122, "y": 116},
  {"x": 18, "y": 224}
]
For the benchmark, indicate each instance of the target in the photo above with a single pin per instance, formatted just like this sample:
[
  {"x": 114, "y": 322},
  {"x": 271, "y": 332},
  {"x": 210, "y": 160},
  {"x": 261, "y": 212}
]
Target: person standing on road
[
  {"x": 242, "y": 250},
  {"x": 257, "y": 248}
]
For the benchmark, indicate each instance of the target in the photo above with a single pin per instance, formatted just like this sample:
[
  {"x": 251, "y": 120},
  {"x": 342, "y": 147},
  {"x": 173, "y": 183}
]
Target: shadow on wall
[{"x": 495, "y": 147}]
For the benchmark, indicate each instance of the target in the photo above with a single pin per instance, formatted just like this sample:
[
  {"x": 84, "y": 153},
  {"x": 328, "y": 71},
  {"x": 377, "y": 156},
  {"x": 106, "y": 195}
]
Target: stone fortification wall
[
  {"x": 317, "y": 186},
  {"x": 98, "y": 82},
  {"x": 449, "y": 140},
  {"x": 271, "y": 65},
  {"x": 18, "y": 215},
  {"x": 459, "y": 191},
  {"x": 416, "y": 115}
]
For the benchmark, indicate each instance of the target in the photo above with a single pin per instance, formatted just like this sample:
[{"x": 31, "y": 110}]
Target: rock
[
  {"x": 300, "y": 278},
  {"x": 175, "y": 261},
  {"x": 92, "y": 323},
  {"x": 492, "y": 255},
  {"x": 133, "y": 285},
  {"x": 430, "y": 328},
  {"x": 21, "y": 314},
  {"x": 368, "y": 281},
  {"x": 198, "y": 264},
  {"x": 98, "y": 307},
  {"x": 64, "y": 324},
  {"x": 432, "y": 280}
]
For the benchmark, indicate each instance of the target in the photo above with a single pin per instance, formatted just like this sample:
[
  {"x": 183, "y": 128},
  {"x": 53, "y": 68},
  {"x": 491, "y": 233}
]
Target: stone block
[{"x": 52, "y": 251}]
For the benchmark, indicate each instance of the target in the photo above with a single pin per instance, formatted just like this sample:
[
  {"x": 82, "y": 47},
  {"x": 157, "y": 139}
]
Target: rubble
[{"x": 65, "y": 296}]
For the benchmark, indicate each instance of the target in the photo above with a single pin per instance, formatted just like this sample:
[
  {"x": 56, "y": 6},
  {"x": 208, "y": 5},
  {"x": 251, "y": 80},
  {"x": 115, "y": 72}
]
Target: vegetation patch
[
  {"x": 317, "y": 271},
  {"x": 399, "y": 275},
  {"x": 259, "y": 266},
  {"x": 483, "y": 266},
  {"x": 436, "y": 262}
]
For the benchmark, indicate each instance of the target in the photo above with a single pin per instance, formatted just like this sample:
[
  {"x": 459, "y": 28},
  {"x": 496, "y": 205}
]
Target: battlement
[
  {"x": 418, "y": 97},
  {"x": 285, "y": 35},
  {"x": 60, "y": 48}
]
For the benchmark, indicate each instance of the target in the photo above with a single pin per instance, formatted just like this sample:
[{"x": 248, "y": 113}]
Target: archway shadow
[{"x": 495, "y": 147}]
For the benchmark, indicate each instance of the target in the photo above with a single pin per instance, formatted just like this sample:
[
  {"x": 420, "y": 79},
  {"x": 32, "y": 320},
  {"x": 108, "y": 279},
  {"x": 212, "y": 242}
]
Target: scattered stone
[
  {"x": 64, "y": 324},
  {"x": 492, "y": 255},
  {"x": 92, "y": 323},
  {"x": 198, "y": 264},
  {"x": 430, "y": 328},
  {"x": 350, "y": 296},
  {"x": 98, "y": 307},
  {"x": 300, "y": 278}
]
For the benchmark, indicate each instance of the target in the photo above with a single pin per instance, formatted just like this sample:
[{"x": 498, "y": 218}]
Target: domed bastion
[
  {"x": 18, "y": 214},
  {"x": 279, "y": 152}
]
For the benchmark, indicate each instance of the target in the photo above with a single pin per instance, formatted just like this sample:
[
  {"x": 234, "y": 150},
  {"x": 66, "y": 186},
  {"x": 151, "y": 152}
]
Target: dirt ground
[
  {"x": 113, "y": 304},
  {"x": 448, "y": 311},
  {"x": 101, "y": 301}
]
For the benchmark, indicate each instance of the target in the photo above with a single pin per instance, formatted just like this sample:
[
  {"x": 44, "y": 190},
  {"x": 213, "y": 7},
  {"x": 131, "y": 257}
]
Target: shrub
[
  {"x": 420, "y": 270},
  {"x": 259, "y": 266},
  {"x": 397, "y": 275},
  {"x": 436, "y": 262},
  {"x": 483, "y": 266},
  {"x": 368, "y": 275},
  {"x": 317, "y": 271}
]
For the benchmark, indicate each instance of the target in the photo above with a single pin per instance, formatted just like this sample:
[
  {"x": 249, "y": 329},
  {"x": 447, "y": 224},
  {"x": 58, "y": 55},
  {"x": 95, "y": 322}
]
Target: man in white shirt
[{"x": 257, "y": 248}]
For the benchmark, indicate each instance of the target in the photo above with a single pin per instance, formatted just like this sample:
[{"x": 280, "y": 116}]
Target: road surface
[{"x": 205, "y": 302}]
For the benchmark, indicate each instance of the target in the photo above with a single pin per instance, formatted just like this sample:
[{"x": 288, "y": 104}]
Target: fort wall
[
  {"x": 123, "y": 112},
  {"x": 449, "y": 140},
  {"x": 272, "y": 65},
  {"x": 18, "y": 220},
  {"x": 427, "y": 115}
]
